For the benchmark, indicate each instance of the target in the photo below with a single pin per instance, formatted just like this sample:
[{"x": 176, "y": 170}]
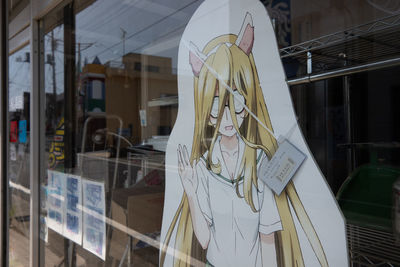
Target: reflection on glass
[
  {"x": 106, "y": 131},
  {"x": 53, "y": 183},
  {"x": 110, "y": 84},
  {"x": 18, "y": 163},
  {"x": 54, "y": 89}
]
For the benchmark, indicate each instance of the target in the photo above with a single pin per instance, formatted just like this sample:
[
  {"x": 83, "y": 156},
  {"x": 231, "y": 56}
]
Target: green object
[
  {"x": 366, "y": 196},
  {"x": 96, "y": 105}
]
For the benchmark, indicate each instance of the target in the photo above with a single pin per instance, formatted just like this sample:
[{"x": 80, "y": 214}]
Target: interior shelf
[
  {"x": 163, "y": 101},
  {"x": 376, "y": 41}
]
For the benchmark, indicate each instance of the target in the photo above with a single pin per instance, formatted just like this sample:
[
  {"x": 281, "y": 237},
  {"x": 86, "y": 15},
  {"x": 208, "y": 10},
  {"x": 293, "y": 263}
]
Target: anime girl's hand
[{"x": 187, "y": 173}]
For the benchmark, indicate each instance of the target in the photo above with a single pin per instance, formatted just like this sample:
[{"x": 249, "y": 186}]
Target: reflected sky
[
  {"x": 19, "y": 76},
  {"x": 107, "y": 28}
]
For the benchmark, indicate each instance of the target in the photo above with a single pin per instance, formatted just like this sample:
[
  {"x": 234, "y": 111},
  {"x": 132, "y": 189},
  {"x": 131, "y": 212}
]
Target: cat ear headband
[{"x": 244, "y": 41}]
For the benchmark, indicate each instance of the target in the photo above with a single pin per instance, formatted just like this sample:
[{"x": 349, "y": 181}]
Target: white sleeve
[
  {"x": 270, "y": 220},
  {"x": 203, "y": 193}
]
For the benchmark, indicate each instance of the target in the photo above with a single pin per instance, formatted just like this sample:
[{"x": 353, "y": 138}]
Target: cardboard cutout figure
[{"x": 233, "y": 102}]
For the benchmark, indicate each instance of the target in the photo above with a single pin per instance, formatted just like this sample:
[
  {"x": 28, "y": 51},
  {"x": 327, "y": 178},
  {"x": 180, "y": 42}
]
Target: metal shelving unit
[
  {"x": 371, "y": 46},
  {"x": 340, "y": 37},
  {"x": 365, "y": 47},
  {"x": 370, "y": 247}
]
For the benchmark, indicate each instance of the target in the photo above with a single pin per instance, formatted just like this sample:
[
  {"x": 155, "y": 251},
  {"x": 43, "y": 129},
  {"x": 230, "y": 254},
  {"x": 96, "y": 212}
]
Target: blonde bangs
[{"x": 205, "y": 87}]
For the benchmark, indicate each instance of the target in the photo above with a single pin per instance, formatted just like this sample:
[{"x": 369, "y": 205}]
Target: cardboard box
[{"x": 138, "y": 208}]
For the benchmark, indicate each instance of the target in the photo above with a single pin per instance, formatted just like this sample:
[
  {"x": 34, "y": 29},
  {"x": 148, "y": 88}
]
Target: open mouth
[{"x": 228, "y": 128}]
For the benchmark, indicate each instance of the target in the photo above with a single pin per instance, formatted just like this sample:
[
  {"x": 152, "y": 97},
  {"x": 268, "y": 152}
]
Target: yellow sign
[{"x": 56, "y": 153}]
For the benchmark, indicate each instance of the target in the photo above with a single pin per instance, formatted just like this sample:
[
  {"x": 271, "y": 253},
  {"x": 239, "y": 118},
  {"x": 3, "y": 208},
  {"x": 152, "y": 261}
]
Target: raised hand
[{"x": 187, "y": 173}]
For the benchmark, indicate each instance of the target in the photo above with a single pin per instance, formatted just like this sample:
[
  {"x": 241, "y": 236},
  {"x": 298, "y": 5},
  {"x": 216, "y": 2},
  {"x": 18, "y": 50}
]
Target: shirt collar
[{"x": 217, "y": 156}]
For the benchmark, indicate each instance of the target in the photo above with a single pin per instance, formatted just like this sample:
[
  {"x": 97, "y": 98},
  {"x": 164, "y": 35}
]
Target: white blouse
[{"x": 234, "y": 227}]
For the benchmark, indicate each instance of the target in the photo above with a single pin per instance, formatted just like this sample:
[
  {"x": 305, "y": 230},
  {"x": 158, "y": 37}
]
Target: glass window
[
  {"x": 347, "y": 113},
  {"x": 18, "y": 161},
  {"x": 110, "y": 87},
  {"x": 110, "y": 80}
]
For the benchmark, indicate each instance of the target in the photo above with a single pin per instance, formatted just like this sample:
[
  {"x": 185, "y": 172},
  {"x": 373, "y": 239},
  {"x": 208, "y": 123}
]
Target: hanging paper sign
[
  {"x": 13, "y": 131},
  {"x": 143, "y": 118},
  {"x": 13, "y": 152},
  {"x": 22, "y": 131},
  {"x": 44, "y": 231},
  {"x": 56, "y": 201},
  {"x": 21, "y": 150},
  {"x": 73, "y": 209},
  {"x": 233, "y": 102},
  {"x": 94, "y": 226},
  {"x": 283, "y": 165}
]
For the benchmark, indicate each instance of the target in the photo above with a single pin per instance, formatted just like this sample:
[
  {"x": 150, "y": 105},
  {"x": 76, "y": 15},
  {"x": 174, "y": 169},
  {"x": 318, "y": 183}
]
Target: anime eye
[
  {"x": 238, "y": 100},
  {"x": 214, "y": 108}
]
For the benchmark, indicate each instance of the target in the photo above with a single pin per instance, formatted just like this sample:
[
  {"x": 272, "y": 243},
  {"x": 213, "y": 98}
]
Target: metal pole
[
  {"x": 4, "y": 133},
  {"x": 37, "y": 151},
  {"x": 345, "y": 71},
  {"x": 69, "y": 111},
  {"x": 349, "y": 136}
]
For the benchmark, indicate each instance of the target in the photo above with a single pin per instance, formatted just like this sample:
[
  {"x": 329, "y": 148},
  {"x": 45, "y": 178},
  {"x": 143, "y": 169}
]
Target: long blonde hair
[{"x": 234, "y": 67}]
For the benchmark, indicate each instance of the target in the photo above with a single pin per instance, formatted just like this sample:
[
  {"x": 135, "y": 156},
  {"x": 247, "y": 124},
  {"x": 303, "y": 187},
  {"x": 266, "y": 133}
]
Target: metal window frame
[
  {"x": 39, "y": 9},
  {"x": 36, "y": 147},
  {"x": 37, "y": 117},
  {"x": 4, "y": 133},
  {"x": 24, "y": 30}
]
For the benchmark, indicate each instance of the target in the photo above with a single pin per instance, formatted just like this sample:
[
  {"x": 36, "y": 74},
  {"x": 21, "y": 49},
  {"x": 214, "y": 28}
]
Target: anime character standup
[{"x": 226, "y": 210}]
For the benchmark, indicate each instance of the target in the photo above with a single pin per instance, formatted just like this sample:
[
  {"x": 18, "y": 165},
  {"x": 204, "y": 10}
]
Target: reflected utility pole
[
  {"x": 123, "y": 37},
  {"x": 53, "y": 64}
]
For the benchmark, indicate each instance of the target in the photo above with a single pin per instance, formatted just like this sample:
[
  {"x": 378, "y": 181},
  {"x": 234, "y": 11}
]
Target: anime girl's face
[{"x": 226, "y": 126}]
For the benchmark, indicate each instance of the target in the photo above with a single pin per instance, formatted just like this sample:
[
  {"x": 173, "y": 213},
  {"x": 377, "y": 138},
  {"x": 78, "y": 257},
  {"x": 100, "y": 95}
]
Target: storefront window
[
  {"x": 131, "y": 112},
  {"x": 111, "y": 102}
]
